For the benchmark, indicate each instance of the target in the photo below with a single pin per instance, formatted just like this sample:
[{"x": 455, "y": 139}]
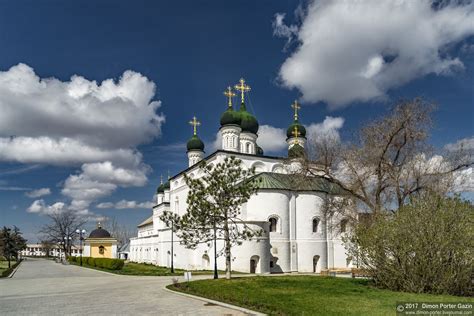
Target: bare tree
[
  {"x": 120, "y": 232},
  {"x": 389, "y": 161},
  {"x": 62, "y": 229}
]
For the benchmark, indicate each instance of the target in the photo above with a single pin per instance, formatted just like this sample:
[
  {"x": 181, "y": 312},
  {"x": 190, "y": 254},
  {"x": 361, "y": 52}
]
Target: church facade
[{"x": 297, "y": 237}]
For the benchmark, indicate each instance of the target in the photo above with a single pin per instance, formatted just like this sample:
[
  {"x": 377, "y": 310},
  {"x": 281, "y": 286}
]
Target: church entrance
[
  {"x": 253, "y": 264},
  {"x": 315, "y": 263}
]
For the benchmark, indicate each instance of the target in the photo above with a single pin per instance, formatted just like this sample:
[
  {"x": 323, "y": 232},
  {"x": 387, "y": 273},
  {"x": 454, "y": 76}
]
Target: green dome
[
  {"x": 296, "y": 151},
  {"x": 259, "y": 151},
  {"x": 161, "y": 188},
  {"x": 194, "y": 143},
  {"x": 248, "y": 122},
  {"x": 299, "y": 127},
  {"x": 166, "y": 186},
  {"x": 230, "y": 117}
]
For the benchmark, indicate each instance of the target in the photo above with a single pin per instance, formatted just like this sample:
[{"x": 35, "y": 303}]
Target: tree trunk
[{"x": 227, "y": 251}]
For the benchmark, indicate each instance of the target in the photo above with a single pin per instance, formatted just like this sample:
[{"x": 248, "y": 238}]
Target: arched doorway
[
  {"x": 205, "y": 261},
  {"x": 254, "y": 264},
  {"x": 315, "y": 263}
]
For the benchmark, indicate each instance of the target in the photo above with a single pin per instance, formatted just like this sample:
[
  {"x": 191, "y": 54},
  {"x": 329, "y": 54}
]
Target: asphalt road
[{"x": 43, "y": 287}]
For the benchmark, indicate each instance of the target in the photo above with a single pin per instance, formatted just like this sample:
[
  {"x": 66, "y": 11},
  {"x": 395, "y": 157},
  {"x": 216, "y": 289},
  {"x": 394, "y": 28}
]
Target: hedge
[{"x": 104, "y": 263}]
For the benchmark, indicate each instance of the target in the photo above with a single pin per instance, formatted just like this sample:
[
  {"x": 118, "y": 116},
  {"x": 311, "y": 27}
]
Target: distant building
[{"x": 38, "y": 250}]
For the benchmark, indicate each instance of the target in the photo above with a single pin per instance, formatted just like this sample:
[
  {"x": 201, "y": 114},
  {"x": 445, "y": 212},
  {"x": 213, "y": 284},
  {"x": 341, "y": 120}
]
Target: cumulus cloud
[
  {"x": 38, "y": 193},
  {"x": 271, "y": 139},
  {"x": 98, "y": 180},
  {"x": 466, "y": 144},
  {"x": 329, "y": 128},
  {"x": 358, "y": 50},
  {"x": 79, "y": 122},
  {"x": 125, "y": 204},
  {"x": 88, "y": 112}
]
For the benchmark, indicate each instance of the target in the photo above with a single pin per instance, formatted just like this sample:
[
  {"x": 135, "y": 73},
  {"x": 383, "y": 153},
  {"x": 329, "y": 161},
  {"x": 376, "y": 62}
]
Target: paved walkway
[{"x": 43, "y": 287}]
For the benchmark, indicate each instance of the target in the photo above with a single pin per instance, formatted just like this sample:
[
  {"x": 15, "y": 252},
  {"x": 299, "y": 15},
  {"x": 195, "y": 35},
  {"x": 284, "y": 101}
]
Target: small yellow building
[{"x": 100, "y": 244}]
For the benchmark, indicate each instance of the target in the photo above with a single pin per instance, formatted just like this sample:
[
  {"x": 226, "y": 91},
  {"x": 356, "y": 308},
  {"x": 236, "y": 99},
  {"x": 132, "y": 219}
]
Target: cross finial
[
  {"x": 242, "y": 87},
  {"x": 296, "y": 107},
  {"x": 229, "y": 94},
  {"x": 195, "y": 123},
  {"x": 295, "y": 134},
  {"x": 169, "y": 175},
  {"x": 161, "y": 179}
]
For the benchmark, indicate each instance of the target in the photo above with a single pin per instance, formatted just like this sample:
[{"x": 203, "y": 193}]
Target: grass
[
  {"x": 4, "y": 265},
  {"x": 131, "y": 268},
  {"x": 4, "y": 270},
  {"x": 307, "y": 295}
]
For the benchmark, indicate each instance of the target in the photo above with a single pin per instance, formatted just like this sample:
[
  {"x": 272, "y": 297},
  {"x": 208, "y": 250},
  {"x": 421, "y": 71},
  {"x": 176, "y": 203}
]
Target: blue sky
[{"x": 344, "y": 67}]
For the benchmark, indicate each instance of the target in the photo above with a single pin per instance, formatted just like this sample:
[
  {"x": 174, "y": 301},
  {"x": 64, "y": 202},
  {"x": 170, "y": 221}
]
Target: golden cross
[
  {"x": 242, "y": 87},
  {"x": 296, "y": 133},
  {"x": 230, "y": 94},
  {"x": 195, "y": 123},
  {"x": 296, "y": 107}
]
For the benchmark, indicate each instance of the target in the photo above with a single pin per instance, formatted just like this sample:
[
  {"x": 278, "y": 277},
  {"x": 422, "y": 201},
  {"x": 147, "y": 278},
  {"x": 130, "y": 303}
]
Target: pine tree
[{"x": 214, "y": 202}]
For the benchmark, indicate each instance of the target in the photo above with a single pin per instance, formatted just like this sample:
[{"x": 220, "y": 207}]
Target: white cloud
[
  {"x": 40, "y": 207},
  {"x": 466, "y": 144},
  {"x": 105, "y": 205},
  {"x": 64, "y": 151},
  {"x": 124, "y": 204},
  {"x": 79, "y": 122},
  {"x": 271, "y": 139},
  {"x": 93, "y": 114},
  {"x": 38, "y": 193},
  {"x": 98, "y": 180},
  {"x": 358, "y": 50},
  {"x": 328, "y": 128}
]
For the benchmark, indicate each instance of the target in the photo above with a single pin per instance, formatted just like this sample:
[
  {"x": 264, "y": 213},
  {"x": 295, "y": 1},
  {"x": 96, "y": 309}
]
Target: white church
[{"x": 296, "y": 238}]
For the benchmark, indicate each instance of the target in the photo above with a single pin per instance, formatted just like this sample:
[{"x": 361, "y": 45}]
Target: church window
[
  {"x": 315, "y": 224},
  {"x": 272, "y": 264},
  {"x": 248, "y": 148},
  {"x": 101, "y": 250},
  {"x": 273, "y": 224}
]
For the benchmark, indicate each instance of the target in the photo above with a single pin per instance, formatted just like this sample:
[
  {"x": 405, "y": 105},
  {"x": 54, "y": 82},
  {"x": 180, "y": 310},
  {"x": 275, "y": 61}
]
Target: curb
[
  {"x": 14, "y": 271},
  {"x": 222, "y": 304}
]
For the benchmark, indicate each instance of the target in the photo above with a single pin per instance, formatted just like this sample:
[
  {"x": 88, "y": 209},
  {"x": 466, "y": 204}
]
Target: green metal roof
[{"x": 295, "y": 182}]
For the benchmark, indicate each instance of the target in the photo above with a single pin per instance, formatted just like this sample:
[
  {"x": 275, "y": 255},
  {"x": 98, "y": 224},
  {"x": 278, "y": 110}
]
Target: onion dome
[
  {"x": 248, "y": 122},
  {"x": 166, "y": 186},
  {"x": 296, "y": 151},
  {"x": 259, "y": 151},
  {"x": 161, "y": 188},
  {"x": 99, "y": 232},
  {"x": 194, "y": 143},
  {"x": 230, "y": 117},
  {"x": 290, "y": 132}
]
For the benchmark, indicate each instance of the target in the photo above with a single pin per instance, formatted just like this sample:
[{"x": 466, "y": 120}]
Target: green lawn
[
  {"x": 131, "y": 268},
  {"x": 4, "y": 266},
  {"x": 307, "y": 295}
]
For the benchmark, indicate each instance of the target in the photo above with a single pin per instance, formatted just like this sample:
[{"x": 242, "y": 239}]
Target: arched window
[
  {"x": 315, "y": 224},
  {"x": 101, "y": 249},
  {"x": 344, "y": 225},
  {"x": 273, "y": 224},
  {"x": 248, "y": 148}
]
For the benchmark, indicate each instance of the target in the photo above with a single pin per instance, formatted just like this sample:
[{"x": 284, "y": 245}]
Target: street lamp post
[
  {"x": 81, "y": 238},
  {"x": 172, "y": 252},
  {"x": 215, "y": 251}
]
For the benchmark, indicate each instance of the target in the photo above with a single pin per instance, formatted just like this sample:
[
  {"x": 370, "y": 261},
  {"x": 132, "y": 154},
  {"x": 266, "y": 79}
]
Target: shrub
[
  {"x": 71, "y": 259},
  {"x": 426, "y": 246},
  {"x": 104, "y": 263}
]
